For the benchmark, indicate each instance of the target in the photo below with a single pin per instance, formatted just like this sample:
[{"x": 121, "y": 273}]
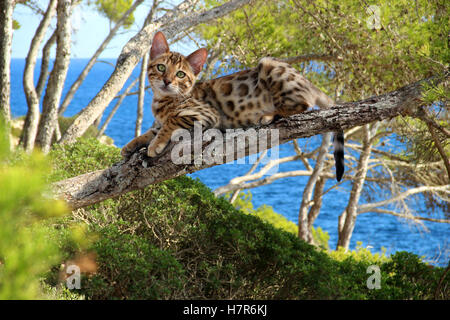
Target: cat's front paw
[
  {"x": 126, "y": 152},
  {"x": 155, "y": 149}
]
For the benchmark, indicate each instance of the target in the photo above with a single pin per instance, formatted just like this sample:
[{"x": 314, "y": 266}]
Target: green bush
[
  {"x": 360, "y": 254},
  {"x": 26, "y": 250},
  {"x": 176, "y": 240},
  {"x": 266, "y": 213},
  {"x": 408, "y": 276},
  {"x": 74, "y": 159},
  {"x": 132, "y": 268}
]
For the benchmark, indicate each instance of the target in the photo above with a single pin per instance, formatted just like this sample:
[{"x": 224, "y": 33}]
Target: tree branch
[
  {"x": 409, "y": 216},
  {"x": 369, "y": 207},
  {"x": 116, "y": 107},
  {"x": 139, "y": 171}
]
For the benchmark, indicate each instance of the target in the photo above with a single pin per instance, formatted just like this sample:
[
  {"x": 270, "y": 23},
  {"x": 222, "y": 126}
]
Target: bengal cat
[{"x": 242, "y": 99}]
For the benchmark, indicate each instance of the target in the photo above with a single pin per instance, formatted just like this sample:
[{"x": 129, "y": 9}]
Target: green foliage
[
  {"x": 176, "y": 240},
  {"x": 408, "y": 275},
  {"x": 432, "y": 93},
  {"x": 409, "y": 43},
  {"x": 321, "y": 238},
  {"x": 266, "y": 213},
  {"x": 114, "y": 10},
  {"x": 84, "y": 156},
  {"x": 60, "y": 292},
  {"x": 360, "y": 254},
  {"x": 16, "y": 25},
  {"x": 26, "y": 250},
  {"x": 132, "y": 268}
]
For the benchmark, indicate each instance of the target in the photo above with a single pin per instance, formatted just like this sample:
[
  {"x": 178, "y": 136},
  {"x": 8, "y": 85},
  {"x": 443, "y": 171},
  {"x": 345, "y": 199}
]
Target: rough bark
[
  {"x": 73, "y": 89},
  {"x": 348, "y": 218},
  {"x": 57, "y": 77},
  {"x": 32, "y": 119},
  {"x": 131, "y": 55},
  {"x": 138, "y": 171},
  {"x": 6, "y": 31}
]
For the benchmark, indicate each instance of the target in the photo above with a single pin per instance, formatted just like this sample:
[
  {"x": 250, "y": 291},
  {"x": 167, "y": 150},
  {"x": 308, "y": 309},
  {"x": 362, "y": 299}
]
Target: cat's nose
[{"x": 167, "y": 82}]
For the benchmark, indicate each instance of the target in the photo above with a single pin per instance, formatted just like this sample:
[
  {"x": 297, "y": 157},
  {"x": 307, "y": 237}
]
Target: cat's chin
[{"x": 165, "y": 92}]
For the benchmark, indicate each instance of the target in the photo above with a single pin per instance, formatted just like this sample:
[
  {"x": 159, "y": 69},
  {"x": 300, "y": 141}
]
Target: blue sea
[{"x": 430, "y": 240}]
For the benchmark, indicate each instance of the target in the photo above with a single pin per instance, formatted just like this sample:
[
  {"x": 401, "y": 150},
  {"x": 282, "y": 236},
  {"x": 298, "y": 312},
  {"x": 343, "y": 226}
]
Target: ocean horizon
[{"x": 374, "y": 231}]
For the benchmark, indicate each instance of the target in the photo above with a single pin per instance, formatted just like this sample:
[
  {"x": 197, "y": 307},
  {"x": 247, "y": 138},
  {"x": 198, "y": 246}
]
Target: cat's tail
[
  {"x": 325, "y": 102},
  {"x": 338, "y": 143}
]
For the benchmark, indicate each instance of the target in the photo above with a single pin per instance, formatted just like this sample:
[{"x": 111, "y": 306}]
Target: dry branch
[
  {"x": 139, "y": 172},
  {"x": 74, "y": 87},
  {"x": 54, "y": 89},
  {"x": 369, "y": 207},
  {"x": 31, "y": 93}
]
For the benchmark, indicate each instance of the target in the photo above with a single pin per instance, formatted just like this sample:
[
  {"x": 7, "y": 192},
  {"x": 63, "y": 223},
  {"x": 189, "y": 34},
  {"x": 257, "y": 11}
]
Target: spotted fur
[{"x": 250, "y": 97}]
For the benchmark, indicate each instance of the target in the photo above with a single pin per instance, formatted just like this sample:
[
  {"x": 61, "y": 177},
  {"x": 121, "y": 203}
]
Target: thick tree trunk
[
  {"x": 6, "y": 31},
  {"x": 131, "y": 55},
  {"x": 57, "y": 77},
  {"x": 32, "y": 119},
  {"x": 138, "y": 172}
]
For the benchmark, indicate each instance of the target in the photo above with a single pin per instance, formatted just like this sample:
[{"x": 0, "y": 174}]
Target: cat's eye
[
  {"x": 180, "y": 74},
  {"x": 161, "y": 67}
]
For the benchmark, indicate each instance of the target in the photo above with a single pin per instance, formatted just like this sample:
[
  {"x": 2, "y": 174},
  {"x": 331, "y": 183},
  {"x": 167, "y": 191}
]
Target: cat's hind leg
[{"x": 289, "y": 91}]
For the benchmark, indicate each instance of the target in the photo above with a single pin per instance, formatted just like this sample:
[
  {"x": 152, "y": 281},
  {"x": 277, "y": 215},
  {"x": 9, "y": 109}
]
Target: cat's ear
[
  {"x": 159, "y": 45},
  {"x": 197, "y": 59}
]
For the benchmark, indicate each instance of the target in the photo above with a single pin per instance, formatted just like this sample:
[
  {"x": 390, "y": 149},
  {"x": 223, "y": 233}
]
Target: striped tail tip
[{"x": 338, "y": 143}]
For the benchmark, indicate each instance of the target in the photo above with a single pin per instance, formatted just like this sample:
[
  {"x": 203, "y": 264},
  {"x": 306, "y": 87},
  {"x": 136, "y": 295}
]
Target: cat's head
[{"x": 171, "y": 73}]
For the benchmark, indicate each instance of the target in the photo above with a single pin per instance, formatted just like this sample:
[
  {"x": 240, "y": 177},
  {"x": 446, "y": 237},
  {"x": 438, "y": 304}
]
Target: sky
[{"x": 89, "y": 30}]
